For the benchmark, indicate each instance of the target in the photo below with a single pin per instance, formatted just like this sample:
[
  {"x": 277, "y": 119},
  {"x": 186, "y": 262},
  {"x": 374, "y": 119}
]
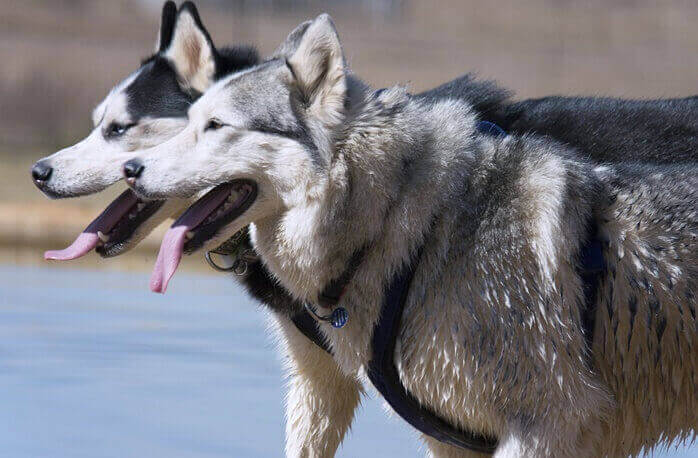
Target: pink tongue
[
  {"x": 105, "y": 222},
  {"x": 172, "y": 245}
]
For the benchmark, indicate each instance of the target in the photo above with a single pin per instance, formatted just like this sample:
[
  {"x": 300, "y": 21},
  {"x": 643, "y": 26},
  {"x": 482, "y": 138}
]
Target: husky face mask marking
[
  {"x": 146, "y": 109},
  {"x": 261, "y": 132}
]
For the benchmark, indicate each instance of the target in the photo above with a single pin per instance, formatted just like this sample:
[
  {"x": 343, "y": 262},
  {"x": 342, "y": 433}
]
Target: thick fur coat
[{"x": 492, "y": 337}]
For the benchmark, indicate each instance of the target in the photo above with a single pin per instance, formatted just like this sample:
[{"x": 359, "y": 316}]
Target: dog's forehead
[
  {"x": 152, "y": 91},
  {"x": 259, "y": 94},
  {"x": 259, "y": 84},
  {"x": 240, "y": 93}
]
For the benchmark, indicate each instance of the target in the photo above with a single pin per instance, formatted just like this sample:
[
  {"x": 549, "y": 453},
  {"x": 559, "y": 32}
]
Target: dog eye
[
  {"x": 213, "y": 124},
  {"x": 116, "y": 129}
]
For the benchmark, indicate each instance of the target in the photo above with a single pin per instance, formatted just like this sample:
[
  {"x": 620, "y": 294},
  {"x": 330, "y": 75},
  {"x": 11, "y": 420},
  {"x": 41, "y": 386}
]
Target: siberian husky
[{"x": 322, "y": 167}]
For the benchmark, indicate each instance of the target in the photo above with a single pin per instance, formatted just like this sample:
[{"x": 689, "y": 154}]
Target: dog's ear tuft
[
  {"x": 167, "y": 21},
  {"x": 319, "y": 69},
  {"x": 290, "y": 45},
  {"x": 191, "y": 50}
]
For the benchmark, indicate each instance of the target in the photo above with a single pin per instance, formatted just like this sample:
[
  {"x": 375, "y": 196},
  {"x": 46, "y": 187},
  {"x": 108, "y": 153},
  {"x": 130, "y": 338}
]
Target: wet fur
[{"x": 495, "y": 327}]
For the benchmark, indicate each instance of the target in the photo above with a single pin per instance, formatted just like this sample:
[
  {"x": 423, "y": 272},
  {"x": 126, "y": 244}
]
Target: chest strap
[
  {"x": 384, "y": 374},
  {"x": 381, "y": 369}
]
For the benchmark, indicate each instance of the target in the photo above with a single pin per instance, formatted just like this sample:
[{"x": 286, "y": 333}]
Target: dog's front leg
[{"x": 321, "y": 400}]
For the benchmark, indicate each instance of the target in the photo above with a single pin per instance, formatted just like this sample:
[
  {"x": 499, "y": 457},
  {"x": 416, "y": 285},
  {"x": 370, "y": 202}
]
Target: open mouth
[
  {"x": 198, "y": 224},
  {"x": 110, "y": 232}
]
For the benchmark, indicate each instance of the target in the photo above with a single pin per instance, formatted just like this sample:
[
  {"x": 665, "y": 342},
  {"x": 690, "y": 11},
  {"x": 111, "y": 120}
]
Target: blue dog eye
[{"x": 116, "y": 129}]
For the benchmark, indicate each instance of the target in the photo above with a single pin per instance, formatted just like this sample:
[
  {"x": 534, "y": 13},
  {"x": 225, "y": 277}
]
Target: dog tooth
[
  {"x": 140, "y": 206},
  {"x": 189, "y": 235},
  {"x": 102, "y": 237}
]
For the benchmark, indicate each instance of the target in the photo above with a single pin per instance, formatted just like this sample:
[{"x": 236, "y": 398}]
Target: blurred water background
[
  {"x": 93, "y": 365},
  {"x": 89, "y": 368}
]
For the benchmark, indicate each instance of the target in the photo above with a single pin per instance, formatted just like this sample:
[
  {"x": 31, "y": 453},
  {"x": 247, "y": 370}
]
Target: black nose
[
  {"x": 133, "y": 169},
  {"x": 41, "y": 172}
]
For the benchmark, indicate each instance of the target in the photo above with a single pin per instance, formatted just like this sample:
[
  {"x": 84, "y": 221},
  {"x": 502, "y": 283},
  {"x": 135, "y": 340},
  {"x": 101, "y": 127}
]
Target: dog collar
[{"x": 235, "y": 249}]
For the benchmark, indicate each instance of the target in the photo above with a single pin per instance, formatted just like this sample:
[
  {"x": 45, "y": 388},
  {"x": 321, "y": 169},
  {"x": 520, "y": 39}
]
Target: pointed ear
[
  {"x": 290, "y": 45},
  {"x": 167, "y": 21},
  {"x": 191, "y": 50},
  {"x": 319, "y": 69}
]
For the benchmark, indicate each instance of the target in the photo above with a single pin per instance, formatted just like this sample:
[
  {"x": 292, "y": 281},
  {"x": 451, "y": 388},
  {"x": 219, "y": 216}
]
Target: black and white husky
[{"x": 492, "y": 339}]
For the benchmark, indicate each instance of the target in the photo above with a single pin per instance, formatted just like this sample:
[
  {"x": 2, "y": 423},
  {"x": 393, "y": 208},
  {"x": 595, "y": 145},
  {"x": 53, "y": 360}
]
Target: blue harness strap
[
  {"x": 384, "y": 375},
  {"x": 591, "y": 268},
  {"x": 491, "y": 129}
]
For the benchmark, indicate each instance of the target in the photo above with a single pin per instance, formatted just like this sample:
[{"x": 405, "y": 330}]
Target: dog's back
[
  {"x": 645, "y": 344},
  {"x": 605, "y": 129},
  {"x": 609, "y": 129}
]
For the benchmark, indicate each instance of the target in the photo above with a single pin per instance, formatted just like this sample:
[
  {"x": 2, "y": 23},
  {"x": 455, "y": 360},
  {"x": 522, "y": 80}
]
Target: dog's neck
[{"x": 387, "y": 161}]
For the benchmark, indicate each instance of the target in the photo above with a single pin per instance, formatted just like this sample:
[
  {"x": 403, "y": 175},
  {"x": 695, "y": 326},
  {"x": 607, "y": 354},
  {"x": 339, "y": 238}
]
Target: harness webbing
[
  {"x": 384, "y": 375},
  {"x": 591, "y": 268},
  {"x": 307, "y": 325}
]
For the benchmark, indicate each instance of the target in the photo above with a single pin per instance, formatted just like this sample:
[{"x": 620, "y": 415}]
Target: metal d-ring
[{"x": 239, "y": 266}]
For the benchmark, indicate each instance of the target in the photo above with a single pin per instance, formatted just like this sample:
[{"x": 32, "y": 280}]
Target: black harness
[
  {"x": 382, "y": 370},
  {"x": 384, "y": 374}
]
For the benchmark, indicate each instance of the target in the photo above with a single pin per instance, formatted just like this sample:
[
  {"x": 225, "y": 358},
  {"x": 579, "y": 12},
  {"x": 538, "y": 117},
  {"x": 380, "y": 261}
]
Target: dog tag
[{"x": 339, "y": 317}]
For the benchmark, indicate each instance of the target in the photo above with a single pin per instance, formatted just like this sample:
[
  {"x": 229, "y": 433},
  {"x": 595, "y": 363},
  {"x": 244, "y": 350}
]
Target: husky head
[
  {"x": 145, "y": 109},
  {"x": 262, "y": 137}
]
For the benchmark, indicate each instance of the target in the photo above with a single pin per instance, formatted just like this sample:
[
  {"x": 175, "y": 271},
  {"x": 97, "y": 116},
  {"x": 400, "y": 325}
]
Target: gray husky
[{"x": 321, "y": 167}]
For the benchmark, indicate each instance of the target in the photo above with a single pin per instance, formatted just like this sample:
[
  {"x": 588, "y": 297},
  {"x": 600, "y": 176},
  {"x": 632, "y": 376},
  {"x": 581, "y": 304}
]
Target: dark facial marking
[
  {"x": 269, "y": 105},
  {"x": 156, "y": 92}
]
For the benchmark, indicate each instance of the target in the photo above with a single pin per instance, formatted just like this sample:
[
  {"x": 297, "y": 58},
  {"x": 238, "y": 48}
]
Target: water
[{"x": 91, "y": 369}]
